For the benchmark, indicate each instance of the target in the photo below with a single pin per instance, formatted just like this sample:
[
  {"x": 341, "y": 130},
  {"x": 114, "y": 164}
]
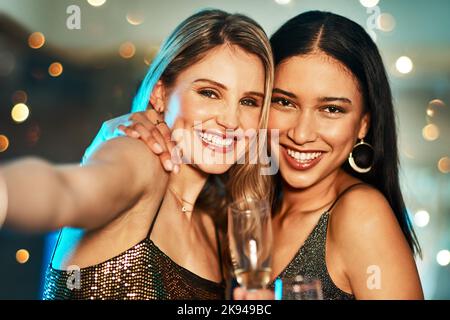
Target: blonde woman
[{"x": 144, "y": 239}]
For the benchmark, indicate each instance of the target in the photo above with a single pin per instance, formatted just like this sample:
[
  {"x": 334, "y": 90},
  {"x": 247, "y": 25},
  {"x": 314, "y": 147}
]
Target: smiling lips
[
  {"x": 217, "y": 141},
  {"x": 302, "y": 160}
]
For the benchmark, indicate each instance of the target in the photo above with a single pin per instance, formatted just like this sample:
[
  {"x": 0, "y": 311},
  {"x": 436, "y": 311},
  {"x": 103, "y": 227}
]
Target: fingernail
[
  {"x": 157, "y": 147},
  {"x": 168, "y": 165},
  {"x": 135, "y": 134}
]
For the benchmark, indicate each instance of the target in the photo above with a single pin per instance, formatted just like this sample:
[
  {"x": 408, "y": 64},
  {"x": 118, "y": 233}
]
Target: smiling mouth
[
  {"x": 302, "y": 160},
  {"x": 303, "y": 157},
  {"x": 217, "y": 141}
]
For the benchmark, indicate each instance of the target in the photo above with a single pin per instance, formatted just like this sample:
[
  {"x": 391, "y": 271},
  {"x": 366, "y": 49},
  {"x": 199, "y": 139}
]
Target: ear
[
  {"x": 364, "y": 126},
  {"x": 157, "y": 98}
]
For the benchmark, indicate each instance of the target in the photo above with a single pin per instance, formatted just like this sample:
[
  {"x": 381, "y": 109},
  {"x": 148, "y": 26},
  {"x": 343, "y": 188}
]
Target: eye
[
  {"x": 282, "y": 102},
  {"x": 249, "y": 102},
  {"x": 333, "y": 109},
  {"x": 209, "y": 93}
]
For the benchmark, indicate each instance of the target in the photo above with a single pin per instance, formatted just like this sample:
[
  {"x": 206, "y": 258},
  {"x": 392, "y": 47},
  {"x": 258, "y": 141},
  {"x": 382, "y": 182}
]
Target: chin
[
  {"x": 298, "y": 179},
  {"x": 299, "y": 182},
  {"x": 213, "y": 168}
]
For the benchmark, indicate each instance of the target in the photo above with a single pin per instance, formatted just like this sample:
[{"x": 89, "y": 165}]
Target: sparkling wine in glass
[{"x": 250, "y": 238}]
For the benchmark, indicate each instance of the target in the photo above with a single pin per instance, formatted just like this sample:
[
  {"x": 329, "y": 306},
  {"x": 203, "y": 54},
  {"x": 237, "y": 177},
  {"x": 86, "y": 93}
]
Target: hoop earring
[{"x": 351, "y": 159}]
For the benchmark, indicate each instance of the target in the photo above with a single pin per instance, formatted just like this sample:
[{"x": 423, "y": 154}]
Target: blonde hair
[{"x": 190, "y": 42}]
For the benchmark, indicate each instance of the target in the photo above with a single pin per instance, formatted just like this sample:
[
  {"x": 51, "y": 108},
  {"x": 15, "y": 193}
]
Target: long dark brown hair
[{"x": 349, "y": 43}]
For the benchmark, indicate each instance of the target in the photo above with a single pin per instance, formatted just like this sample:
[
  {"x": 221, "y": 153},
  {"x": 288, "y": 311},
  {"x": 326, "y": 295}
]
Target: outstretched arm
[{"x": 42, "y": 196}]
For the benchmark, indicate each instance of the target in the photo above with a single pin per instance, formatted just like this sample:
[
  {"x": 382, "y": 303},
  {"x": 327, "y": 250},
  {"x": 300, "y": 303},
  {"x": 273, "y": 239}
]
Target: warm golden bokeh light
[
  {"x": 443, "y": 258},
  {"x": 444, "y": 165},
  {"x": 369, "y": 3},
  {"x": 283, "y": 2},
  {"x": 430, "y": 132},
  {"x": 33, "y": 134},
  {"x": 386, "y": 22},
  {"x": 96, "y": 3},
  {"x": 20, "y": 112},
  {"x": 19, "y": 96},
  {"x": 22, "y": 256},
  {"x": 135, "y": 18},
  {"x": 127, "y": 50},
  {"x": 404, "y": 65},
  {"x": 36, "y": 40},
  {"x": 421, "y": 218},
  {"x": 55, "y": 69},
  {"x": 150, "y": 55},
  {"x": 435, "y": 106},
  {"x": 4, "y": 143}
]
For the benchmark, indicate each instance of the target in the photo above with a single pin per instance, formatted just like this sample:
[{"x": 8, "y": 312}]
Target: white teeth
[
  {"x": 215, "y": 140},
  {"x": 303, "y": 156}
]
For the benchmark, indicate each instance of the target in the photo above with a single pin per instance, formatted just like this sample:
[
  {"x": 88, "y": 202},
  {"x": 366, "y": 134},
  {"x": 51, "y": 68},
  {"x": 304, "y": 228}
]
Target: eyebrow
[
  {"x": 212, "y": 82},
  {"x": 286, "y": 93},
  {"x": 321, "y": 99},
  {"x": 220, "y": 85},
  {"x": 331, "y": 99}
]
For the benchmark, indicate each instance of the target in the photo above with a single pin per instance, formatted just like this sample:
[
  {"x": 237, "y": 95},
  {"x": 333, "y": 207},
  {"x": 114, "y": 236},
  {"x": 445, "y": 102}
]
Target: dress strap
[
  {"x": 55, "y": 247},
  {"x": 154, "y": 219},
  {"x": 342, "y": 193}
]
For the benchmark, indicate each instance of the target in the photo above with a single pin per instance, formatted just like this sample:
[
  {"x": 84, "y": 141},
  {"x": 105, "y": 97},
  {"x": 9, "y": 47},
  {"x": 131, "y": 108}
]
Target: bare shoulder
[
  {"x": 133, "y": 155},
  {"x": 362, "y": 210},
  {"x": 366, "y": 236}
]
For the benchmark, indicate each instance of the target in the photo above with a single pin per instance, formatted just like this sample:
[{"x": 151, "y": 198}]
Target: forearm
[
  {"x": 113, "y": 178},
  {"x": 36, "y": 194}
]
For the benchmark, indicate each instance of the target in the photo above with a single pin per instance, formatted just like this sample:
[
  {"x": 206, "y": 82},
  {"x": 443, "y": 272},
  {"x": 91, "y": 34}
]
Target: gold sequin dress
[{"x": 140, "y": 273}]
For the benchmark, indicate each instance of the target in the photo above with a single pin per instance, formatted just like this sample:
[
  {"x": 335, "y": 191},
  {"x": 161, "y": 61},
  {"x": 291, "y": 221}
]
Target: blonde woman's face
[{"x": 213, "y": 103}]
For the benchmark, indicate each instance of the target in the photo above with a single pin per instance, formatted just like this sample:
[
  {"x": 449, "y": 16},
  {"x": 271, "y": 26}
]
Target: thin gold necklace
[{"x": 181, "y": 201}]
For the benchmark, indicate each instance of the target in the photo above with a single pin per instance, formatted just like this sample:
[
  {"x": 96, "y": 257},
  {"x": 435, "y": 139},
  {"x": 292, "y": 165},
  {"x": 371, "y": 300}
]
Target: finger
[
  {"x": 260, "y": 295},
  {"x": 129, "y": 131},
  {"x": 170, "y": 144},
  {"x": 156, "y": 134},
  {"x": 154, "y": 146},
  {"x": 166, "y": 161},
  {"x": 138, "y": 117},
  {"x": 142, "y": 130},
  {"x": 152, "y": 115},
  {"x": 239, "y": 294}
]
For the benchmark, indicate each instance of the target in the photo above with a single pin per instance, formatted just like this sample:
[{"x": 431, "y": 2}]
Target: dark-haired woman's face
[{"x": 318, "y": 108}]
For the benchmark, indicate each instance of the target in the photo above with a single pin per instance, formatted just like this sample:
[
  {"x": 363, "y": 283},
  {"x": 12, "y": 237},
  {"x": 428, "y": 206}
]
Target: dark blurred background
[{"x": 58, "y": 84}]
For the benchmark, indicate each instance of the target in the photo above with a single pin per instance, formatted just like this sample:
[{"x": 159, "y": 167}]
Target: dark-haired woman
[{"x": 339, "y": 214}]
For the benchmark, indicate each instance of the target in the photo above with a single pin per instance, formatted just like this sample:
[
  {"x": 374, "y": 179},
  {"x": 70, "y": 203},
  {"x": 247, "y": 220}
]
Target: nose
[
  {"x": 229, "y": 118},
  {"x": 304, "y": 128}
]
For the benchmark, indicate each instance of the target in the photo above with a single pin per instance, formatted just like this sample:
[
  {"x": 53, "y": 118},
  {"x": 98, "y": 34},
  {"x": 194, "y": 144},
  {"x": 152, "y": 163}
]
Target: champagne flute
[
  {"x": 298, "y": 288},
  {"x": 250, "y": 238}
]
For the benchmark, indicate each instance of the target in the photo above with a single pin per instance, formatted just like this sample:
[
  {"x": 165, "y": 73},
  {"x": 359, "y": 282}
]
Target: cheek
[
  {"x": 188, "y": 108},
  {"x": 339, "y": 135},
  {"x": 249, "y": 118},
  {"x": 281, "y": 121}
]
